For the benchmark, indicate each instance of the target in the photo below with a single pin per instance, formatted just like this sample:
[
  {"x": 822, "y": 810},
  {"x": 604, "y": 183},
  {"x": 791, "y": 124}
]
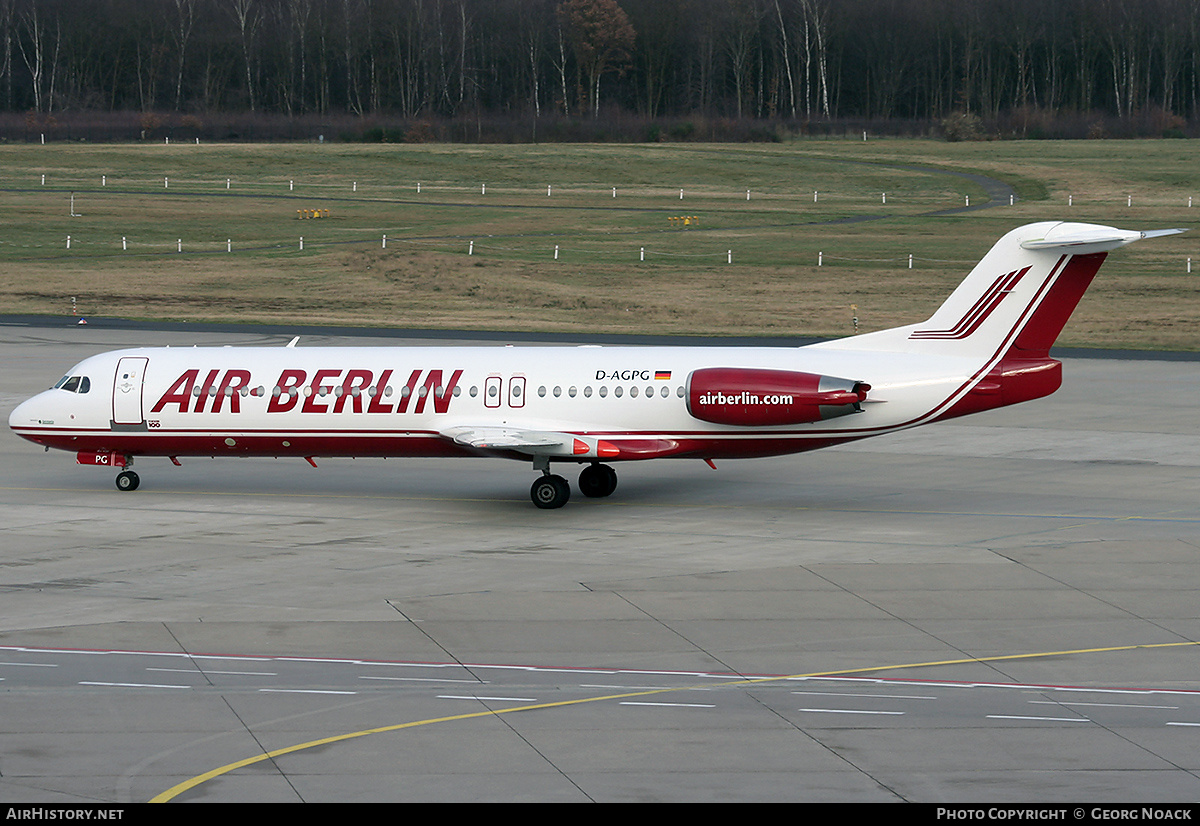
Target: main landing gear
[
  {"x": 550, "y": 491},
  {"x": 597, "y": 481}
]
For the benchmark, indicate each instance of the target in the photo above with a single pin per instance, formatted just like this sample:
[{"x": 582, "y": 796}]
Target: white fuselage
[{"x": 396, "y": 401}]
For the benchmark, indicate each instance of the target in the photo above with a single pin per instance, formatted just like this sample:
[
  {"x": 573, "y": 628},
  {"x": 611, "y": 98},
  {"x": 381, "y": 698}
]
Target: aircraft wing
[
  {"x": 527, "y": 442},
  {"x": 553, "y": 444}
]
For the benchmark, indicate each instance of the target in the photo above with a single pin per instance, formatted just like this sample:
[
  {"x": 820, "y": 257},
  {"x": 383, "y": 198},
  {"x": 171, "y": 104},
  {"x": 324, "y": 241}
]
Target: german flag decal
[{"x": 662, "y": 375}]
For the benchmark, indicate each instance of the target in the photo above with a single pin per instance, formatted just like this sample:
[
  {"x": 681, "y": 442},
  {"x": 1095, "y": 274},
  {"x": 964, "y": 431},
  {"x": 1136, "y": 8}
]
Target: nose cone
[{"x": 30, "y": 416}]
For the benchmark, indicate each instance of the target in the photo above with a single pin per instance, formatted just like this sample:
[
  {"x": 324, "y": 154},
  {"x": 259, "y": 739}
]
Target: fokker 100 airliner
[{"x": 987, "y": 346}]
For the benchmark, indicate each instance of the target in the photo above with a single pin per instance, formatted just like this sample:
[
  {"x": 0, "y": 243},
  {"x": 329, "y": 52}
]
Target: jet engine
[{"x": 757, "y": 398}]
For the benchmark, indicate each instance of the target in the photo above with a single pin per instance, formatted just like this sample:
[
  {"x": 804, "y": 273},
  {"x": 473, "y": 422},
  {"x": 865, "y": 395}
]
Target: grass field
[{"x": 472, "y": 232}]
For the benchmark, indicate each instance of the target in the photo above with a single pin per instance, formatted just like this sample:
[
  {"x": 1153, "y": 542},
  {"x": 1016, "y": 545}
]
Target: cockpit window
[{"x": 74, "y": 384}]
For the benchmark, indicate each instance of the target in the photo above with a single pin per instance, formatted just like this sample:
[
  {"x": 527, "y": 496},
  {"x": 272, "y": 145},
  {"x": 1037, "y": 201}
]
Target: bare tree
[
  {"x": 816, "y": 52},
  {"x": 740, "y": 39},
  {"x": 601, "y": 38},
  {"x": 6, "y": 50},
  {"x": 185, "y": 18},
  {"x": 247, "y": 15},
  {"x": 34, "y": 48},
  {"x": 787, "y": 58}
]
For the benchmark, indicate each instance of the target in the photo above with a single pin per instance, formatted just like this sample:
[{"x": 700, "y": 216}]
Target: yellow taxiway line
[{"x": 200, "y": 779}]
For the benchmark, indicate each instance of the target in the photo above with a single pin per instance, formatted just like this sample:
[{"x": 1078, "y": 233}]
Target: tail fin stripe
[
  {"x": 1005, "y": 345},
  {"x": 978, "y": 313}
]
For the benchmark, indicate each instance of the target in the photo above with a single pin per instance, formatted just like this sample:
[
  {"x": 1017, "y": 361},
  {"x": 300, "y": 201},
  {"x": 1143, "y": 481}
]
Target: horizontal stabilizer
[{"x": 1080, "y": 239}]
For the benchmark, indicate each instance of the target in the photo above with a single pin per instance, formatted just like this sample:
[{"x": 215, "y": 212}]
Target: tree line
[{"x": 793, "y": 61}]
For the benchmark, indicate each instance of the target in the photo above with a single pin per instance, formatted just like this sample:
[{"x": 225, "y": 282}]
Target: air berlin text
[{"x": 325, "y": 391}]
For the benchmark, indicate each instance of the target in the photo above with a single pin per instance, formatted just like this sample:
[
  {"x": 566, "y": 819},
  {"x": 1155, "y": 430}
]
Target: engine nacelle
[{"x": 755, "y": 398}]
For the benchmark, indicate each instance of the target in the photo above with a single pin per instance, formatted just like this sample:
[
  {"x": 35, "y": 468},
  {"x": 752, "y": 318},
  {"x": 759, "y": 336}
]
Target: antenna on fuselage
[{"x": 292, "y": 343}]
